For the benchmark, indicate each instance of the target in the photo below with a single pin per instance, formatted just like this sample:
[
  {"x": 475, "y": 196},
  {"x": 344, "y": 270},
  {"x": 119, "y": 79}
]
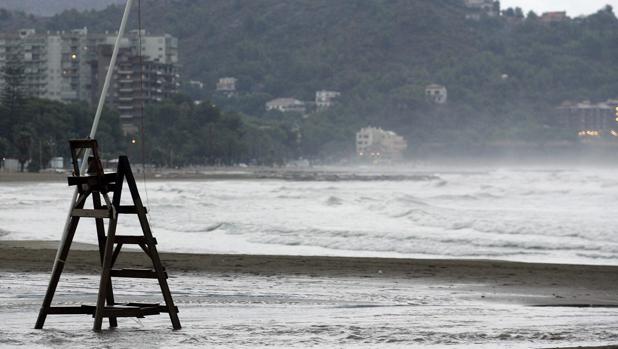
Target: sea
[
  {"x": 521, "y": 214},
  {"x": 535, "y": 214}
]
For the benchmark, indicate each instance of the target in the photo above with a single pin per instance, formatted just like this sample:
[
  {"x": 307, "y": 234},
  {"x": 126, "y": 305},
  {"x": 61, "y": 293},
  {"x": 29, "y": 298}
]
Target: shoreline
[
  {"x": 233, "y": 173},
  {"x": 494, "y": 280},
  {"x": 288, "y": 263}
]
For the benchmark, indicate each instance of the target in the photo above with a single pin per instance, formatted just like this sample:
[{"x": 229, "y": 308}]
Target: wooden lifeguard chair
[{"x": 96, "y": 184}]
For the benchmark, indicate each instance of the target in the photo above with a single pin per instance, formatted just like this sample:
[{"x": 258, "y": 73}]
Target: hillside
[{"x": 504, "y": 75}]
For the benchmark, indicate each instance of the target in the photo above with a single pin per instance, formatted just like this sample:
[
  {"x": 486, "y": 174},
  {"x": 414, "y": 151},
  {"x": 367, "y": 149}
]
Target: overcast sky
[{"x": 573, "y": 7}]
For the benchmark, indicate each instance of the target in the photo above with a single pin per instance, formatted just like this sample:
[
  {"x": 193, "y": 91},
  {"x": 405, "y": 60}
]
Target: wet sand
[
  {"x": 506, "y": 282},
  {"x": 341, "y": 291}
]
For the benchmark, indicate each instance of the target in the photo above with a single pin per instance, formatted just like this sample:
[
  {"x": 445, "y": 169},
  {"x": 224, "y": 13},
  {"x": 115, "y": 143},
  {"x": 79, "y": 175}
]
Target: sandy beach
[
  {"x": 548, "y": 284},
  {"x": 512, "y": 292}
]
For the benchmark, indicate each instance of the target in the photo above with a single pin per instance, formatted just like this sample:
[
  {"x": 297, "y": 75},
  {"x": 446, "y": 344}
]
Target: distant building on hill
[
  {"x": 376, "y": 143},
  {"x": 556, "y": 16},
  {"x": 590, "y": 119},
  {"x": 227, "y": 86},
  {"x": 478, "y": 8},
  {"x": 286, "y": 105},
  {"x": 436, "y": 93},
  {"x": 196, "y": 84},
  {"x": 325, "y": 99}
]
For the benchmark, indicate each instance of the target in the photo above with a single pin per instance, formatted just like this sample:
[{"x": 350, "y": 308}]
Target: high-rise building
[
  {"x": 71, "y": 66},
  {"x": 24, "y": 54}
]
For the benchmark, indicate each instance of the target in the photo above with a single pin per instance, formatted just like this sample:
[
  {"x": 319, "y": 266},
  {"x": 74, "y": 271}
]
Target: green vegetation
[
  {"x": 505, "y": 76},
  {"x": 180, "y": 133},
  {"x": 34, "y": 130}
]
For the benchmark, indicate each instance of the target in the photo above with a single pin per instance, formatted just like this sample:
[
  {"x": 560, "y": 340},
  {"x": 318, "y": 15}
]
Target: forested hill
[{"x": 381, "y": 54}]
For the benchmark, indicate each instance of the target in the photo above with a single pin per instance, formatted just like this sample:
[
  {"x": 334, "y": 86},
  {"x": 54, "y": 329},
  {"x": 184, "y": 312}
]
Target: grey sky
[{"x": 573, "y": 7}]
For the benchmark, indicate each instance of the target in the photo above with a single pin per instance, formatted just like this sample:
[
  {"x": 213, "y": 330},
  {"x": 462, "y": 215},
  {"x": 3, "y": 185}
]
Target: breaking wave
[{"x": 561, "y": 216}]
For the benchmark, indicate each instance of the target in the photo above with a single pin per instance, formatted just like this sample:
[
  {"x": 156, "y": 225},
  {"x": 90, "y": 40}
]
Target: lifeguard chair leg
[
  {"x": 59, "y": 265},
  {"x": 104, "y": 283},
  {"x": 125, "y": 168},
  {"x": 96, "y": 198}
]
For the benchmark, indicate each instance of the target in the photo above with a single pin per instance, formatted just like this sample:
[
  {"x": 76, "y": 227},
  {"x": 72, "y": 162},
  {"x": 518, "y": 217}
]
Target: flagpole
[{"x": 97, "y": 118}]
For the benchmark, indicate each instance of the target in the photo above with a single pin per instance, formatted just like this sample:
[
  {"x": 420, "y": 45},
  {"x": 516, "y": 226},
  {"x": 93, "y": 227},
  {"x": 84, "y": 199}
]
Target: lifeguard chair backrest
[{"x": 78, "y": 148}]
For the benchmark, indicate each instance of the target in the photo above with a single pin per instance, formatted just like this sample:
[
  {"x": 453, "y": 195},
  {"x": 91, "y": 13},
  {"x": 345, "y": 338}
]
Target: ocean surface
[{"x": 536, "y": 215}]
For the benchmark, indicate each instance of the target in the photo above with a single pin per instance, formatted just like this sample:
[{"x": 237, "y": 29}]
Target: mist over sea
[{"x": 556, "y": 216}]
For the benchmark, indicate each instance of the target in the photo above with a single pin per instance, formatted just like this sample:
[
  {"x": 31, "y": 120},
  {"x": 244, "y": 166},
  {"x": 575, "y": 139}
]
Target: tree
[
  {"x": 5, "y": 146},
  {"x": 23, "y": 145},
  {"x": 532, "y": 16},
  {"x": 12, "y": 94}
]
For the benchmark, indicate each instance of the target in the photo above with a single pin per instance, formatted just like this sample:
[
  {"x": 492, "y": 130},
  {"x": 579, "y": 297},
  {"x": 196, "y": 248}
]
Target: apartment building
[{"x": 71, "y": 66}]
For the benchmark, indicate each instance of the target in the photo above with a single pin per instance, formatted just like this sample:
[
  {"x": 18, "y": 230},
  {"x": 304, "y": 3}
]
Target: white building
[
  {"x": 372, "y": 142},
  {"x": 325, "y": 99},
  {"x": 286, "y": 105},
  {"x": 436, "y": 93},
  {"x": 196, "y": 84},
  {"x": 227, "y": 84},
  {"x": 158, "y": 48},
  {"x": 490, "y": 8},
  {"x": 26, "y": 50}
]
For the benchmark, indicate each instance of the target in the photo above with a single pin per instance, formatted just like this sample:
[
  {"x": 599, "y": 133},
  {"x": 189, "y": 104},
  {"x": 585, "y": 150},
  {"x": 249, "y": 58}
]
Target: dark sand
[{"x": 511, "y": 282}]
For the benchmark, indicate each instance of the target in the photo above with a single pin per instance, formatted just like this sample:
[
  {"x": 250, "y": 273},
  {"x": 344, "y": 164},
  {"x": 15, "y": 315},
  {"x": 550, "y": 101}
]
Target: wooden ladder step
[
  {"x": 107, "y": 178},
  {"x": 136, "y": 273},
  {"x": 129, "y": 209},
  {"x": 117, "y": 310},
  {"x": 75, "y": 309},
  {"x": 132, "y": 239},
  {"x": 162, "y": 308},
  {"x": 91, "y": 213},
  {"x": 130, "y": 311}
]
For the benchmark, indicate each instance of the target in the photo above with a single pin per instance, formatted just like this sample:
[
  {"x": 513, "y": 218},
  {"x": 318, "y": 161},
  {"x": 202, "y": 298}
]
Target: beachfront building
[
  {"x": 590, "y": 120},
  {"x": 324, "y": 99},
  {"x": 286, "y": 105},
  {"x": 70, "y": 66},
  {"x": 376, "y": 143},
  {"x": 436, "y": 94},
  {"x": 128, "y": 91}
]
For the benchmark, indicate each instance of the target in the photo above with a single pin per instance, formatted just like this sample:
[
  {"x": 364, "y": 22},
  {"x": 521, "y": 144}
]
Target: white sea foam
[{"x": 543, "y": 216}]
